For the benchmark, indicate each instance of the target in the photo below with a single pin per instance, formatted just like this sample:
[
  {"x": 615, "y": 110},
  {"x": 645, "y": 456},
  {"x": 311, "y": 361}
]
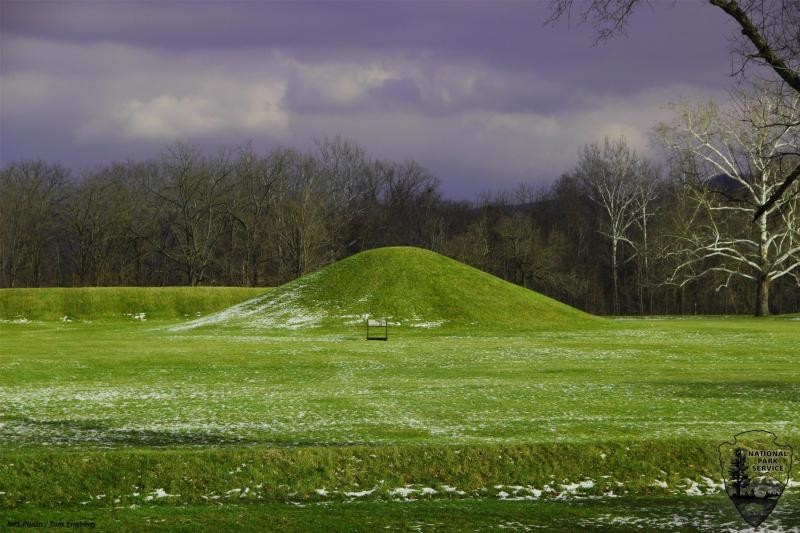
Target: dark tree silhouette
[{"x": 738, "y": 472}]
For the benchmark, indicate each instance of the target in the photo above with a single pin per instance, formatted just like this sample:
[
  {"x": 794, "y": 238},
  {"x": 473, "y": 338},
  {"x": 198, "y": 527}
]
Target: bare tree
[
  {"x": 770, "y": 37},
  {"x": 611, "y": 175},
  {"x": 31, "y": 193},
  {"x": 188, "y": 191},
  {"x": 135, "y": 257},
  {"x": 733, "y": 162},
  {"x": 473, "y": 246},
  {"x": 90, "y": 221},
  {"x": 344, "y": 167},
  {"x": 301, "y": 219},
  {"x": 253, "y": 204},
  {"x": 410, "y": 197},
  {"x": 348, "y": 180},
  {"x": 648, "y": 191}
]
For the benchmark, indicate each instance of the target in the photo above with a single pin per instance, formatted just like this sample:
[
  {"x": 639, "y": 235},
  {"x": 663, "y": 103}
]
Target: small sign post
[{"x": 377, "y": 329}]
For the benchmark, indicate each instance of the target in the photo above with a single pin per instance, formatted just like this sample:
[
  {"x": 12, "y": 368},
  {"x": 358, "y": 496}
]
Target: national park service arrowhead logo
[{"x": 756, "y": 470}]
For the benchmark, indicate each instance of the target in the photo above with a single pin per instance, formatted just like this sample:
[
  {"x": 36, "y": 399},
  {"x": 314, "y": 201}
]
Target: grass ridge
[
  {"x": 96, "y": 303},
  {"x": 43, "y": 479}
]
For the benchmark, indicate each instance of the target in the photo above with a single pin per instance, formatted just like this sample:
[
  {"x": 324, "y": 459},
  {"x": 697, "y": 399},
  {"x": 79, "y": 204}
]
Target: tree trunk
[
  {"x": 762, "y": 283},
  {"x": 615, "y": 295},
  {"x": 762, "y": 295},
  {"x": 252, "y": 265},
  {"x": 646, "y": 274}
]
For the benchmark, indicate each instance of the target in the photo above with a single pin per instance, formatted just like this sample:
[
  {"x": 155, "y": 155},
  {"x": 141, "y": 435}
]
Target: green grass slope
[
  {"x": 410, "y": 287},
  {"x": 96, "y": 303}
]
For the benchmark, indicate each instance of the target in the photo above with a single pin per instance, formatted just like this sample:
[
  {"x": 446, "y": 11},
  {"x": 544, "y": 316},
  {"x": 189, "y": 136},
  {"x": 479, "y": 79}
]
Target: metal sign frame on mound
[{"x": 377, "y": 329}]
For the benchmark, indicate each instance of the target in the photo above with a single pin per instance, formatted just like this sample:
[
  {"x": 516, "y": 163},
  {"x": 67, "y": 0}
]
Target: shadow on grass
[
  {"x": 734, "y": 389},
  {"x": 28, "y": 431},
  {"x": 20, "y": 432}
]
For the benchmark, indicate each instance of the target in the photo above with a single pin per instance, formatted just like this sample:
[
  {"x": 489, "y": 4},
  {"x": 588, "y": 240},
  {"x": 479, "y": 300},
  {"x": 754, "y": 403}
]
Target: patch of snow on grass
[
  {"x": 403, "y": 492},
  {"x": 19, "y": 320},
  {"x": 427, "y": 325},
  {"x": 279, "y": 309},
  {"x": 354, "y": 320},
  {"x": 518, "y": 492},
  {"x": 159, "y": 493},
  {"x": 713, "y": 486},
  {"x": 573, "y": 487},
  {"x": 359, "y": 494},
  {"x": 240, "y": 310},
  {"x": 694, "y": 489}
]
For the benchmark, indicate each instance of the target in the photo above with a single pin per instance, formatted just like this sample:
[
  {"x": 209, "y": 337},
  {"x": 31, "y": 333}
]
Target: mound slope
[{"x": 409, "y": 286}]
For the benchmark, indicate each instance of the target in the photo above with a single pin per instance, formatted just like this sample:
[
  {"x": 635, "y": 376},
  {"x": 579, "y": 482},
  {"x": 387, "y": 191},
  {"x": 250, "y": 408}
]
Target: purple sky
[{"x": 481, "y": 93}]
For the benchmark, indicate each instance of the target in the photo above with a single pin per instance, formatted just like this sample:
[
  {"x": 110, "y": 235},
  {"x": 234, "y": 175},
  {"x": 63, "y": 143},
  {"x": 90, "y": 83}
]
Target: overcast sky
[{"x": 481, "y": 93}]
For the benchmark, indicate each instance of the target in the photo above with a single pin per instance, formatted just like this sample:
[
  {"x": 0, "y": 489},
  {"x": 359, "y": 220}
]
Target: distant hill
[
  {"x": 411, "y": 287},
  {"x": 726, "y": 186}
]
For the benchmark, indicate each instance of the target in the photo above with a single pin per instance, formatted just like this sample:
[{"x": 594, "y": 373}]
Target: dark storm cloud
[
  {"x": 504, "y": 97},
  {"x": 400, "y": 91},
  {"x": 503, "y": 34}
]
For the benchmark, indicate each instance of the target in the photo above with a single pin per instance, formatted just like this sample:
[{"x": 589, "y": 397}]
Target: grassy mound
[
  {"x": 95, "y": 303},
  {"x": 408, "y": 286}
]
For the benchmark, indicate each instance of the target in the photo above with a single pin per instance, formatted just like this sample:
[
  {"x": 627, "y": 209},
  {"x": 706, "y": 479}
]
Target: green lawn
[
  {"x": 675, "y": 513},
  {"x": 135, "y": 423}
]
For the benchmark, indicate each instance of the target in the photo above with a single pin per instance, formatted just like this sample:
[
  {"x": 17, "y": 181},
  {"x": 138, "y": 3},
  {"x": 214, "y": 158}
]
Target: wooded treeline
[{"x": 610, "y": 237}]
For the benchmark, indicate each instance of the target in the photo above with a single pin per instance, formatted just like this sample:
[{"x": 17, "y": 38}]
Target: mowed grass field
[{"x": 138, "y": 422}]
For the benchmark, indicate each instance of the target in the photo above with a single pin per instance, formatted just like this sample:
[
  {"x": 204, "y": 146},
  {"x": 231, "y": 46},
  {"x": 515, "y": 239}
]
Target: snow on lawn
[
  {"x": 713, "y": 486},
  {"x": 280, "y": 311},
  {"x": 571, "y": 490},
  {"x": 427, "y": 325},
  {"x": 159, "y": 493},
  {"x": 332, "y": 390},
  {"x": 694, "y": 488},
  {"x": 360, "y": 494},
  {"x": 20, "y": 320},
  {"x": 284, "y": 309},
  {"x": 403, "y": 492}
]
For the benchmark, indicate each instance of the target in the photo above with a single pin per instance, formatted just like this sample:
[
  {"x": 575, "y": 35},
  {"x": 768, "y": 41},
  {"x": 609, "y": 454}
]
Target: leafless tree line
[
  {"x": 618, "y": 235},
  {"x": 237, "y": 217}
]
